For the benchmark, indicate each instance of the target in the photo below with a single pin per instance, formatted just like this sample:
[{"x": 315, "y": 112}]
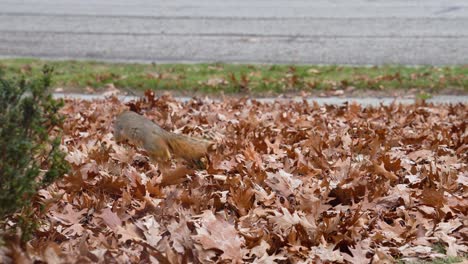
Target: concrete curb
[{"x": 367, "y": 101}]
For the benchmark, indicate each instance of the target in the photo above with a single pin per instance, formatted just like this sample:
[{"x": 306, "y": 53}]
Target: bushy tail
[{"x": 190, "y": 149}]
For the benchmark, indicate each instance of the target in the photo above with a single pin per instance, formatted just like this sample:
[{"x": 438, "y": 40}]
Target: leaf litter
[{"x": 289, "y": 182}]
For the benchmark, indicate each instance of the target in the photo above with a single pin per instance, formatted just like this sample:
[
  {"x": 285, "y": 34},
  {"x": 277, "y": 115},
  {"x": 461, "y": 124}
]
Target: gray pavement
[
  {"x": 365, "y": 101},
  {"x": 266, "y": 31}
]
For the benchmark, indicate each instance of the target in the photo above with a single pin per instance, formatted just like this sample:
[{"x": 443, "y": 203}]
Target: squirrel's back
[
  {"x": 142, "y": 132},
  {"x": 158, "y": 142}
]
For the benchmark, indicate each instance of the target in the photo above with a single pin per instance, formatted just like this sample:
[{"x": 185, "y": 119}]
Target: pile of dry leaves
[{"x": 289, "y": 182}]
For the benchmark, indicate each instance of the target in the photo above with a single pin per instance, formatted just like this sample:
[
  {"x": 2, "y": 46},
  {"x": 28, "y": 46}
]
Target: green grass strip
[{"x": 258, "y": 79}]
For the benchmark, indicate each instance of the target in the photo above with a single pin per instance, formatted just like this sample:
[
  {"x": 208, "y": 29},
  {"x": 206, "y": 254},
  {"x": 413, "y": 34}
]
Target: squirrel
[{"x": 161, "y": 145}]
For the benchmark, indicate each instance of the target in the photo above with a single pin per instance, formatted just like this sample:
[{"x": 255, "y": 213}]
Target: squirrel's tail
[{"x": 188, "y": 148}]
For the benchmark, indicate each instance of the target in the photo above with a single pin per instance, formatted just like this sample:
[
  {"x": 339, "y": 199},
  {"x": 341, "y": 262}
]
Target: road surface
[{"x": 262, "y": 31}]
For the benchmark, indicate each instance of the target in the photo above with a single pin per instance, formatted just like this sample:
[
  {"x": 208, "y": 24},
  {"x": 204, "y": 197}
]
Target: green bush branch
[{"x": 30, "y": 157}]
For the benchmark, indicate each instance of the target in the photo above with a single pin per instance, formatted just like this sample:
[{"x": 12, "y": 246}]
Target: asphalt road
[{"x": 266, "y": 31}]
